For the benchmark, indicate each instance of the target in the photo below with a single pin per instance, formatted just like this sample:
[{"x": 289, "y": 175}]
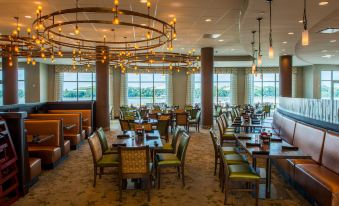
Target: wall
[
  {"x": 32, "y": 82},
  {"x": 43, "y": 82},
  {"x": 308, "y": 82},
  {"x": 179, "y": 80},
  {"x": 241, "y": 78},
  {"x": 116, "y": 91}
]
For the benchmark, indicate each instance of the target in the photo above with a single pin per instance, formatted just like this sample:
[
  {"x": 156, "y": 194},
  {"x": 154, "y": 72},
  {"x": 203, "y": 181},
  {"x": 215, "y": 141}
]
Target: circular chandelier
[{"x": 51, "y": 28}]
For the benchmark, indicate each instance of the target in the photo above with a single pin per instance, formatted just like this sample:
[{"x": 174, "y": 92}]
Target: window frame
[
  {"x": 262, "y": 81},
  {"x": 331, "y": 81},
  {"x": 93, "y": 83}
]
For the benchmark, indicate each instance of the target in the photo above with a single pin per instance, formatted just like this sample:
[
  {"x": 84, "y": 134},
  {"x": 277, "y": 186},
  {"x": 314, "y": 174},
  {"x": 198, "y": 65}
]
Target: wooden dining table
[
  {"x": 131, "y": 139},
  {"x": 275, "y": 149},
  {"x": 248, "y": 126}
]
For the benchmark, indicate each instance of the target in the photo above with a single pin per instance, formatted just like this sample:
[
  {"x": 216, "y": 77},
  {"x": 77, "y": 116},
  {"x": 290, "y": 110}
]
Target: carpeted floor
[{"x": 71, "y": 183}]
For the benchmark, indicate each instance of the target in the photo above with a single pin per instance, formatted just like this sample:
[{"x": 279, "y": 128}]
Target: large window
[
  {"x": 221, "y": 88},
  {"x": 144, "y": 89},
  {"x": 330, "y": 85},
  {"x": 78, "y": 86},
  {"x": 266, "y": 88},
  {"x": 21, "y": 86}
]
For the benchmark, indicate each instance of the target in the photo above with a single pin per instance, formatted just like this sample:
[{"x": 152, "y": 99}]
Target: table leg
[
  {"x": 254, "y": 163},
  {"x": 268, "y": 178}
]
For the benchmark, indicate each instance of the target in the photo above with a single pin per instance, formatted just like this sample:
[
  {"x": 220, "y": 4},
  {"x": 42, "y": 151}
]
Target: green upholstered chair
[
  {"x": 171, "y": 147},
  {"x": 193, "y": 113},
  {"x": 124, "y": 124},
  {"x": 216, "y": 144},
  {"x": 162, "y": 127},
  {"x": 104, "y": 144},
  {"x": 135, "y": 164},
  {"x": 217, "y": 111},
  {"x": 196, "y": 122},
  {"x": 239, "y": 173},
  {"x": 144, "y": 113},
  {"x": 99, "y": 160},
  {"x": 225, "y": 124},
  {"x": 182, "y": 120},
  {"x": 173, "y": 160},
  {"x": 224, "y": 135}
]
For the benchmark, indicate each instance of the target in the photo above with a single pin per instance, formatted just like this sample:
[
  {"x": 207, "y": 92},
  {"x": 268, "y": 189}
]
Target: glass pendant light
[
  {"x": 270, "y": 50},
  {"x": 305, "y": 35},
  {"x": 259, "y": 50}
]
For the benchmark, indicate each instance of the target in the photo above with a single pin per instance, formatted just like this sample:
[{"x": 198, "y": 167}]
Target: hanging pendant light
[
  {"x": 270, "y": 50},
  {"x": 305, "y": 36},
  {"x": 259, "y": 50},
  {"x": 254, "y": 66}
]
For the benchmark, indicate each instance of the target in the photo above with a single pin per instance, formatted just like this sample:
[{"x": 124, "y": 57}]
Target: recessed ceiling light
[
  {"x": 221, "y": 40},
  {"x": 175, "y": 39},
  {"x": 104, "y": 30},
  {"x": 232, "y": 49},
  {"x": 325, "y": 50},
  {"x": 72, "y": 34},
  {"x": 143, "y": 38},
  {"x": 301, "y": 21},
  {"x": 143, "y": 24},
  {"x": 323, "y": 3},
  {"x": 182, "y": 48},
  {"x": 333, "y": 40},
  {"x": 37, "y": 2},
  {"x": 211, "y": 36},
  {"x": 171, "y": 16},
  {"x": 284, "y": 42},
  {"x": 208, "y": 20},
  {"x": 28, "y": 17},
  {"x": 328, "y": 56},
  {"x": 329, "y": 31},
  {"x": 283, "y": 50},
  {"x": 290, "y": 33},
  {"x": 143, "y": 1}
]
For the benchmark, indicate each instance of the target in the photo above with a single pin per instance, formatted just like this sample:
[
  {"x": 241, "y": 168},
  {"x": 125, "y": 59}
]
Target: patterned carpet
[{"x": 71, "y": 183}]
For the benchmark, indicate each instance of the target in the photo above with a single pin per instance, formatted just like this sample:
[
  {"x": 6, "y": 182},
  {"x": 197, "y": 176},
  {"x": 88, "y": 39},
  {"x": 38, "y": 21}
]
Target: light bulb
[
  {"x": 116, "y": 2},
  {"x": 33, "y": 62},
  {"x": 10, "y": 63},
  {"x": 174, "y": 35},
  {"x": 305, "y": 38},
  {"x": 116, "y": 20},
  {"x": 260, "y": 60},
  {"x": 148, "y": 35},
  {"x": 29, "y": 31},
  {"x": 77, "y": 31},
  {"x": 148, "y": 4},
  {"x": 271, "y": 52},
  {"x": 253, "y": 68}
]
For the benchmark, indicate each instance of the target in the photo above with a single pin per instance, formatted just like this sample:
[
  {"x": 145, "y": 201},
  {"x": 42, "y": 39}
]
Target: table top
[
  {"x": 151, "y": 139},
  {"x": 38, "y": 139},
  {"x": 274, "y": 149},
  {"x": 141, "y": 121}
]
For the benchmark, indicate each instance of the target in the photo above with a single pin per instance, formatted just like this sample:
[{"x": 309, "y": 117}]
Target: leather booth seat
[
  {"x": 34, "y": 168},
  {"x": 67, "y": 147},
  {"x": 49, "y": 151},
  {"x": 318, "y": 176}
]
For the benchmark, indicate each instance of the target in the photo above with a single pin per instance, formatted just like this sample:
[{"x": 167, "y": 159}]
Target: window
[
  {"x": 196, "y": 88},
  {"x": 21, "y": 86},
  {"x": 329, "y": 85},
  {"x": 78, "y": 86},
  {"x": 266, "y": 88},
  {"x": 143, "y": 89},
  {"x": 222, "y": 88}
]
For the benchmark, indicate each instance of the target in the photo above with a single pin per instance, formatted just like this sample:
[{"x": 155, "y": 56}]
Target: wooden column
[
  {"x": 285, "y": 76},
  {"x": 102, "y": 88},
  {"x": 10, "y": 80},
  {"x": 207, "y": 61}
]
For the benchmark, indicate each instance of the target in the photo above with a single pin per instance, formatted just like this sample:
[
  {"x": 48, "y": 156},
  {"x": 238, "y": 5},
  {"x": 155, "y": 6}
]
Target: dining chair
[
  {"x": 170, "y": 147},
  {"x": 224, "y": 135},
  {"x": 104, "y": 144},
  {"x": 99, "y": 160},
  {"x": 124, "y": 124},
  {"x": 193, "y": 113},
  {"x": 182, "y": 120},
  {"x": 239, "y": 173},
  {"x": 153, "y": 115},
  {"x": 145, "y": 126},
  {"x": 143, "y": 113},
  {"x": 196, "y": 121},
  {"x": 162, "y": 127},
  {"x": 225, "y": 124},
  {"x": 135, "y": 164},
  {"x": 177, "y": 160}
]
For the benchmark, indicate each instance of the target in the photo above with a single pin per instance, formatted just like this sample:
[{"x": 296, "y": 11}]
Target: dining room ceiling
[{"x": 230, "y": 20}]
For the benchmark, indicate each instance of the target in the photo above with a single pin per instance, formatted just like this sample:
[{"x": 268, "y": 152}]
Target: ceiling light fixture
[
  {"x": 270, "y": 50},
  {"x": 208, "y": 20},
  {"x": 28, "y": 17},
  {"x": 329, "y": 30},
  {"x": 284, "y": 42},
  {"x": 323, "y": 3},
  {"x": 221, "y": 40},
  {"x": 305, "y": 35},
  {"x": 259, "y": 50},
  {"x": 254, "y": 66},
  {"x": 333, "y": 41},
  {"x": 290, "y": 33}
]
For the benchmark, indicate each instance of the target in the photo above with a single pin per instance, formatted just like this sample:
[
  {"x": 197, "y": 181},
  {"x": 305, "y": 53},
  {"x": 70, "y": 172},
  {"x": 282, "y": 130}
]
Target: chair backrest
[
  {"x": 153, "y": 115},
  {"x": 146, "y": 126},
  {"x": 162, "y": 126},
  {"x": 214, "y": 140},
  {"x": 143, "y": 113},
  {"x": 94, "y": 144},
  {"x": 221, "y": 130},
  {"x": 46, "y": 127},
  {"x": 287, "y": 129},
  {"x": 194, "y": 113},
  {"x": 178, "y": 111},
  {"x": 164, "y": 117},
  {"x": 134, "y": 161},
  {"x": 124, "y": 124},
  {"x": 103, "y": 139},
  {"x": 182, "y": 119},
  {"x": 223, "y": 121},
  {"x": 330, "y": 157},
  {"x": 181, "y": 153},
  {"x": 175, "y": 138}
]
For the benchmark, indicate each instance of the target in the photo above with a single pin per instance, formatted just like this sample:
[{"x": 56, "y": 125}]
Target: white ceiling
[{"x": 233, "y": 19}]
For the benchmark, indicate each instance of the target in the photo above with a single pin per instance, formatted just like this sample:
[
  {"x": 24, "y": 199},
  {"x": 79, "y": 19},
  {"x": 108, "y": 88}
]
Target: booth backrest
[
  {"x": 310, "y": 140},
  {"x": 277, "y": 122},
  {"x": 287, "y": 129},
  {"x": 68, "y": 119},
  {"x": 330, "y": 156},
  {"x": 86, "y": 115},
  {"x": 45, "y": 127}
]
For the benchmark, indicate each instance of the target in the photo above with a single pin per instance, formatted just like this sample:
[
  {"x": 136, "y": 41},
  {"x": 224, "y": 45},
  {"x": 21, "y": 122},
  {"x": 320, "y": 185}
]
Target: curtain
[
  {"x": 58, "y": 88},
  {"x": 169, "y": 82},
  {"x": 234, "y": 89},
  {"x": 77, "y": 68},
  {"x": 189, "y": 89},
  {"x": 123, "y": 90}
]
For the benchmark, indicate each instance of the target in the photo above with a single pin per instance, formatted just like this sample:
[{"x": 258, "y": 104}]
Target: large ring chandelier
[{"x": 50, "y": 27}]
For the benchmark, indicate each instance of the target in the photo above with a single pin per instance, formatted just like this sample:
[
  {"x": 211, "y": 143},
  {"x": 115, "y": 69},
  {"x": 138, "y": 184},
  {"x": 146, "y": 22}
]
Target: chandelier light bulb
[
  {"x": 148, "y": 4},
  {"x": 33, "y": 62},
  {"x": 271, "y": 52},
  {"x": 253, "y": 68},
  {"x": 77, "y": 31},
  {"x": 116, "y": 20},
  {"x": 116, "y": 2},
  {"x": 260, "y": 60}
]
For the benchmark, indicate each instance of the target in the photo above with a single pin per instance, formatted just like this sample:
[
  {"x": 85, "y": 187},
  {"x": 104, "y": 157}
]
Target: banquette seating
[
  {"x": 49, "y": 152},
  {"x": 74, "y": 133},
  {"x": 318, "y": 176},
  {"x": 86, "y": 118}
]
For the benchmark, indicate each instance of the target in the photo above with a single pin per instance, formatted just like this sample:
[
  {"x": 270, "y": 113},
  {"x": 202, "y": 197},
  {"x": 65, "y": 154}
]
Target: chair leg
[
  {"x": 215, "y": 165},
  {"x": 149, "y": 188},
  {"x": 178, "y": 171},
  {"x": 95, "y": 176},
  {"x": 226, "y": 192},
  {"x": 257, "y": 193},
  {"x": 158, "y": 177},
  {"x": 101, "y": 172},
  {"x": 120, "y": 189},
  {"x": 183, "y": 175}
]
